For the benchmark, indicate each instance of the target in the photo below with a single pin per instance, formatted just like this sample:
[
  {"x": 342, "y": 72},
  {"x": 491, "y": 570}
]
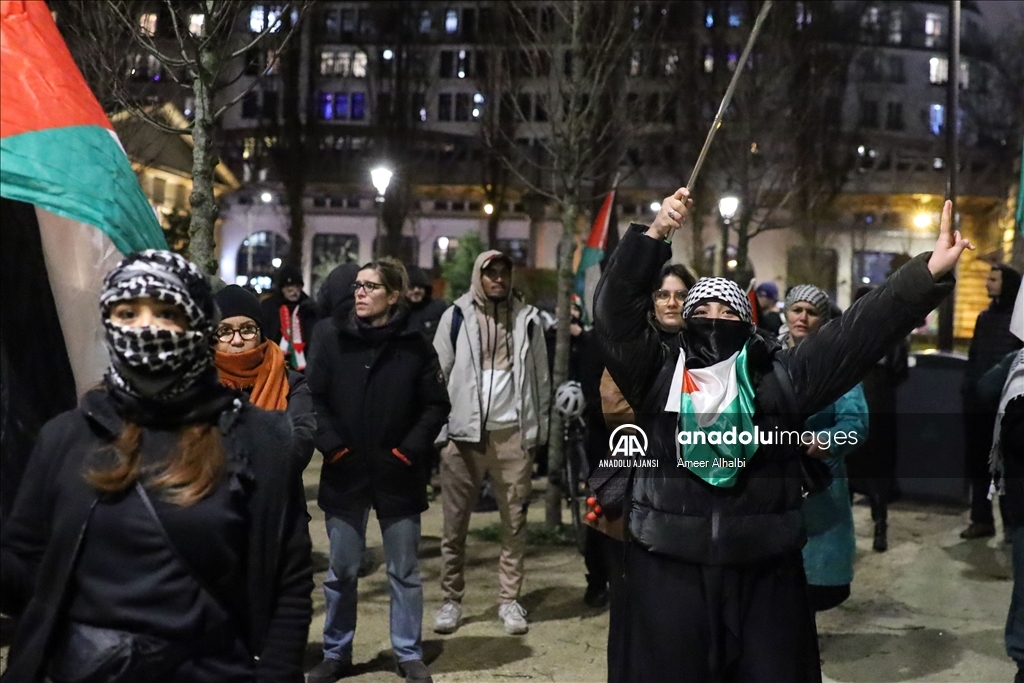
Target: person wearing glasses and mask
[
  {"x": 716, "y": 587},
  {"x": 380, "y": 400},
  {"x": 246, "y": 360}
]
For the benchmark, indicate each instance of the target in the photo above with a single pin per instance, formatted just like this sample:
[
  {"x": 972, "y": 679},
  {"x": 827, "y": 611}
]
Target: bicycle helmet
[{"x": 569, "y": 400}]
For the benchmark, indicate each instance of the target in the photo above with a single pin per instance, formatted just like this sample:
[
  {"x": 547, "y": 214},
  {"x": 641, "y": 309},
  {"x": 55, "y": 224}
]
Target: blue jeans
[
  {"x": 347, "y": 537},
  {"x": 1015, "y": 619}
]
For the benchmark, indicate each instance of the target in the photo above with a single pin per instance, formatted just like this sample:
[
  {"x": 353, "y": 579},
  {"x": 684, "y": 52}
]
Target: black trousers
[
  {"x": 616, "y": 609},
  {"x": 688, "y": 623},
  {"x": 978, "y": 428}
]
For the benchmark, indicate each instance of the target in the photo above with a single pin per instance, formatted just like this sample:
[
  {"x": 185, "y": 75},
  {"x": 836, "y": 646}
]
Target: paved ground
[{"x": 930, "y": 609}]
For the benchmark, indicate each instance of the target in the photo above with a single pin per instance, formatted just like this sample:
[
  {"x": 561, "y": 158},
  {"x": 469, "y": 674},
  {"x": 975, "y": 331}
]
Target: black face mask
[{"x": 711, "y": 340}]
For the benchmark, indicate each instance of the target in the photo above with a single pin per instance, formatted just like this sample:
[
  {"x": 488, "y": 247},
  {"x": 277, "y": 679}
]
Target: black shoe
[
  {"x": 881, "y": 543},
  {"x": 976, "y": 530},
  {"x": 328, "y": 671},
  {"x": 415, "y": 671},
  {"x": 596, "y": 597}
]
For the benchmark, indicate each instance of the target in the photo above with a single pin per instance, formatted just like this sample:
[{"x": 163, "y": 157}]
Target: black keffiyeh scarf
[{"x": 155, "y": 363}]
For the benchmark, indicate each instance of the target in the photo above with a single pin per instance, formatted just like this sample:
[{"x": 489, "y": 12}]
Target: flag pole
[
  {"x": 952, "y": 121},
  {"x": 726, "y": 99}
]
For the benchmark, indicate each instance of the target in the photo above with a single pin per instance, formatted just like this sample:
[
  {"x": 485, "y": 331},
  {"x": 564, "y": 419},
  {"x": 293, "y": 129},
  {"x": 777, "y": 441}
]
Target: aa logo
[{"x": 628, "y": 441}]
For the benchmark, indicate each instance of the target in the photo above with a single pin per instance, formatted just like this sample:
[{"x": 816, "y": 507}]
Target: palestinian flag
[
  {"x": 59, "y": 153},
  {"x": 71, "y": 207},
  {"x": 716, "y": 437},
  {"x": 588, "y": 273}
]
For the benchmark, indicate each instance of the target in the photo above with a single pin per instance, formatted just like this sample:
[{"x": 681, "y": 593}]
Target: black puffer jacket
[
  {"x": 42, "y": 538},
  {"x": 673, "y": 511},
  {"x": 370, "y": 397}
]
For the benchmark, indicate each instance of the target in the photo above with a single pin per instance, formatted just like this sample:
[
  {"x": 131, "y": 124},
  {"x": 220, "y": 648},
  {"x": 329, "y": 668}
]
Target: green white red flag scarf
[{"x": 716, "y": 414}]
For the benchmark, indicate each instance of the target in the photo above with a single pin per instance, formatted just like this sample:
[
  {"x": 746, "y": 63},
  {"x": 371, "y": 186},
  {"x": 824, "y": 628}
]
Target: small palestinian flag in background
[
  {"x": 588, "y": 273},
  {"x": 71, "y": 208}
]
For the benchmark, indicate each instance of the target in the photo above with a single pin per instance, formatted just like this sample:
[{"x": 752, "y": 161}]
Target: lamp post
[
  {"x": 727, "y": 207},
  {"x": 381, "y": 178}
]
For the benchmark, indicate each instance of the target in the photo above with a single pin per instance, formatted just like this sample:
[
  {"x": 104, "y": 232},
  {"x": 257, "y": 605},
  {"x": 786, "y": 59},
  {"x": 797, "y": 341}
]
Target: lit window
[
  {"x": 326, "y": 106},
  {"x": 272, "y": 60},
  {"x": 359, "y": 64},
  {"x": 451, "y": 21},
  {"x": 932, "y": 28},
  {"x": 478, "y": 98},
  {"x": 938, "y": 70},
  {"x": 340, "y": 105},
  {"x": 425, "y": 21},
  {"x": 735, "y": 18},
  {"x": 263, "y": 18},
  {"x": 195, "y": 24},
  {"x": 388, "y": 55},
  {"x": 936, "y": 118},
  {"x": 423, "y": 113},
  {"x": 326, "y": 62},
  {"x": 248, "y": 148},
  {"x": 358, "y": 106},
  {"x": 462, "y": 64},
  {"x": 709, "y": 60},
  {"x": 965, "y": 75},
  {"x": 634, "y": 63},
  {"x": 895, "y": 27},
  {"x": 147, "y": 24},
  {"x": 671, "y": 63},
  {"x": 709, "y": 19},
  {"x": 734, "y": 58},
  {"x": 342, "y": 63},
  {"x": 257, "y": 19}
]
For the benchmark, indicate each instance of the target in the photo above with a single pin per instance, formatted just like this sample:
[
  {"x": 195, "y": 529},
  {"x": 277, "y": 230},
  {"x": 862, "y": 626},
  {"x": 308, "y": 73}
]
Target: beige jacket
[{"x": 464, "y": 363}]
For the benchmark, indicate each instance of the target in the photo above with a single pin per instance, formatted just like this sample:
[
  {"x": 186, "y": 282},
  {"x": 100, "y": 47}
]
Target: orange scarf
[{"x": 262, "y": 370}]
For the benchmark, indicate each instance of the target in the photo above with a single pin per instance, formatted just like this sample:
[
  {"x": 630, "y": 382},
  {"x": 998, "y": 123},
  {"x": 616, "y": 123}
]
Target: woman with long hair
[
  {"x": 380, "y": 401},
  {"x": 246, "y": 360},
  {"x": 158, "y": 534}
]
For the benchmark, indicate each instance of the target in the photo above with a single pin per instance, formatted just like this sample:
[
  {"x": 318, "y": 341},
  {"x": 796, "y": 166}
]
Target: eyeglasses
[
  {"x": 663, "y": 295},
  {"x": 246, "y": 332},
  {"x": 368, "y": 287}
]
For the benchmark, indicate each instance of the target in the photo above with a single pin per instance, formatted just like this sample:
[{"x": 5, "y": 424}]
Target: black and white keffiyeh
[
  {"x": 151, "y": 362},
  {"x": 717, "y": 289},
  {"x": 813, "y": 295}
]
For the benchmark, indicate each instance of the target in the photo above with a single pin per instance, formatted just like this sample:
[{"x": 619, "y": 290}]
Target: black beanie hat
[
  {"x": 233, "y": 300},
  {"x": 288, "y": 275}
]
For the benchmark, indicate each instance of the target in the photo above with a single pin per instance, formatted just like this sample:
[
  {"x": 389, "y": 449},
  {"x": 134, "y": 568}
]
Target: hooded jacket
[
  {"x": 424, "y": 316},
  {"x": 992, "y": 339},
  {"x": 674, "y": 512},
  {"x": 517, "y": 338}
]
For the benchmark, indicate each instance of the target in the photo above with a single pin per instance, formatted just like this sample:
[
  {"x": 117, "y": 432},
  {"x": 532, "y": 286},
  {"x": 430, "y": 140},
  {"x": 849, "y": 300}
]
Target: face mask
[
  {"x": 154, "y": 362},
  {"x": 711, "y": 340}
]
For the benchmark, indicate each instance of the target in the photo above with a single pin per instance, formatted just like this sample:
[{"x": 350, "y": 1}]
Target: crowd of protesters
[{"x": 160, "y": 531}]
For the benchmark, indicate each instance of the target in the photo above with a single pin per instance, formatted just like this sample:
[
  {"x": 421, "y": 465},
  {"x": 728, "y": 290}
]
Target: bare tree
[
  {"x": 561, "y": 80},
  {"x": 206, "y": 47}
]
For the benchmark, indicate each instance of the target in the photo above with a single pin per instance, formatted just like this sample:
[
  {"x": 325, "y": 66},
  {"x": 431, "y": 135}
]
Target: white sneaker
[
  {"x": 448, "y": 617},
  {"x": 514, "y": 617}
]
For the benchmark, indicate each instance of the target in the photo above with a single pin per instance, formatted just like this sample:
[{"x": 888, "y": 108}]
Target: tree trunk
[
  {"x": 566, "y": 248},
  {"x": 492, "y": 228},
  {"x": 201, "y": 248},
  {"x": 293, "y": 141}
]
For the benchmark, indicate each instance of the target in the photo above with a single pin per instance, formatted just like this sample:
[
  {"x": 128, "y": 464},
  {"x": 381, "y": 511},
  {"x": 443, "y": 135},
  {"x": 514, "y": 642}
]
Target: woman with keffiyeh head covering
[
  {"x": 714, "y": 572},
  {"x": 158, "y": 534}
]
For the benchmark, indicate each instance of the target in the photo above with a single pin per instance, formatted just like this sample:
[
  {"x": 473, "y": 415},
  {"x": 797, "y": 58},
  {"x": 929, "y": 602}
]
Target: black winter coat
[
  {"x": 673, "y": 511},
  {"x": 371, "y": 397},
  {"x": 991, "y": 342},
  {"x": 42, "y": 538}
]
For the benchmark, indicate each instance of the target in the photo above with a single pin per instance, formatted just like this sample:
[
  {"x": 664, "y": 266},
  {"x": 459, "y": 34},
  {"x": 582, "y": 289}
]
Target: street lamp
[
  {"x": 488, "y": 208},
  {"x": 655, "y": 207},
  {"x": 727, "y": 207},
  {"x": 381, "y": 177},
  {"x": 922, "y": 221},
  {"x": 266, "y": 197}
]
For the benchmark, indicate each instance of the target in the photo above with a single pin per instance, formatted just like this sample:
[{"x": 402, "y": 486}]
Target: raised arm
[{"x": 828, "y": 364}]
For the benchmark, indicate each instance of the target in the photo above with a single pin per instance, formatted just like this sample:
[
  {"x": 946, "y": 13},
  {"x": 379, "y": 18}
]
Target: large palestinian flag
[{"x": 71, "y": 208}]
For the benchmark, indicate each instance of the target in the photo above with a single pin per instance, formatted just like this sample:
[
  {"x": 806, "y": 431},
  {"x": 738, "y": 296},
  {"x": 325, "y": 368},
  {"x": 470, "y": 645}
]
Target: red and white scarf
[{"x": 291, "y": 338}]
